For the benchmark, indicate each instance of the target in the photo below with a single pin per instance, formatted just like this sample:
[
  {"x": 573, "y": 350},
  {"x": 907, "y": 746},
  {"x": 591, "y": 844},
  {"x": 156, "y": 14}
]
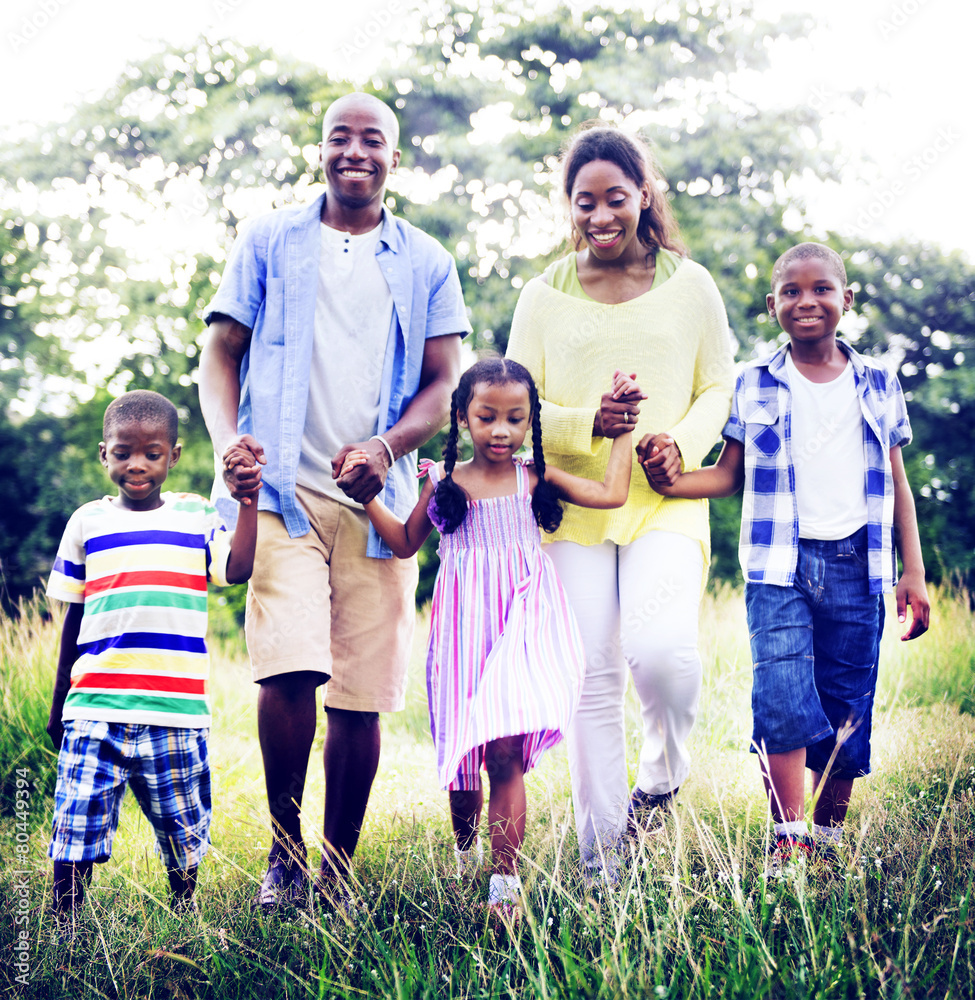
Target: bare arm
[
  {"x": 67, "y": 654},
  {"x": 722, "y": 479},
  {"x": 424, "y": 416},
  {"x": 911, "y": 588},
  {"x": 223, "y": 350},
  {"x": 612, "y": 491},
  {"x": 404, "y": 538},
  {"x": 240, "y": 563}
]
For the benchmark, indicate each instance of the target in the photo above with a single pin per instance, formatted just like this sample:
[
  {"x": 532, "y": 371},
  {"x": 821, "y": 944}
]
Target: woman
[{"x": 634, "y": 575}]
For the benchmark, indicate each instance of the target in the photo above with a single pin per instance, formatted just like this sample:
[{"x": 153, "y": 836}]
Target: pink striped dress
[{"x": 505, "y": 655}]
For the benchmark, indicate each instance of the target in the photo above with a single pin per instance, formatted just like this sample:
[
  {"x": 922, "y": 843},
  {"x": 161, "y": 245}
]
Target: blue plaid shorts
[{"x": 168, "y": 770}]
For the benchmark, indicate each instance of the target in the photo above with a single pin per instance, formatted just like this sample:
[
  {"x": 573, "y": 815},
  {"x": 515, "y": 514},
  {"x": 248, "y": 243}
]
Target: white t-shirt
[
  {"x": 353, "y": 312},
  {"x": 827, "y": 454}
]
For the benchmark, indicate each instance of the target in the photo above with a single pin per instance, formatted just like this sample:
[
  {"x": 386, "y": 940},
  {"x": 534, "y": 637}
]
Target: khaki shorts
[{"x": 319, "y": 603}]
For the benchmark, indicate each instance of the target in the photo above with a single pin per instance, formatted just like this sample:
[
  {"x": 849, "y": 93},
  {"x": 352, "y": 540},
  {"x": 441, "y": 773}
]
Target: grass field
[{"x": 693, "y": 917}]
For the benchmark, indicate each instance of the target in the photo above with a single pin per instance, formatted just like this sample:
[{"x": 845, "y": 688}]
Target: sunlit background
[{"x": 136, "y": 138}]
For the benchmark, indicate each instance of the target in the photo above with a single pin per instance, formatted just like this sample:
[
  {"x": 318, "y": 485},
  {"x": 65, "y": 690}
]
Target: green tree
[{"x": 129, "y": 207}]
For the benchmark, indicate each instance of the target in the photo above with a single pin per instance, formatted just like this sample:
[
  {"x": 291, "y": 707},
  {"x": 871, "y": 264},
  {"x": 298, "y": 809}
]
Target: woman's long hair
[
  {"x": 450, "y": 500},
  {"x": 596, "y": 140}
]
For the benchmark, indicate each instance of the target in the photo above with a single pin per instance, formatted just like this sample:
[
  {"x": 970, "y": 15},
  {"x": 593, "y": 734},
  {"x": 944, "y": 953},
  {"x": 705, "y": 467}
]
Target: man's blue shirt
[{"x": 270, "y": 285}]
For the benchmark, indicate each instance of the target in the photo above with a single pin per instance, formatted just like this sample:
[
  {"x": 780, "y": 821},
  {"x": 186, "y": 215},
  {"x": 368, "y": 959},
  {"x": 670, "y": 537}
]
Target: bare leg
[
  {"x": 507, "y": 805},
  {"x": 352, "y": 746},
  {"x": 182, "y": 883},
  {"x": 465, "y": 816},
  {"x": 71, "y": 879},
  {"x": 286, "y": 711},
  {"x": 783, "y": 774},
  {"x": 832, "y": 799}
]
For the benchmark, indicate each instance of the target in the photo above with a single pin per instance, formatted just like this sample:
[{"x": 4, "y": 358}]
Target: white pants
[{"x": 637, "y": 607}]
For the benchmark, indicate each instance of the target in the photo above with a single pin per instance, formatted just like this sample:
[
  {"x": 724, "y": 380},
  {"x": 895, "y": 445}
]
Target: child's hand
[
  {"x": 352, "y": 460},
  {"x": 661, "y": 461},
  {"x": 242, "y": 471},
  {"x": 55, "y": 728},
  {"x": 911, "y": 590},
  {"x": 624, "y": 385}
]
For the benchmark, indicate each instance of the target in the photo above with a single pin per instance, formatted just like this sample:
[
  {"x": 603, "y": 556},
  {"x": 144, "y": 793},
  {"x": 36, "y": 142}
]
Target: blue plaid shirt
[{"x": 761, "y": 420}]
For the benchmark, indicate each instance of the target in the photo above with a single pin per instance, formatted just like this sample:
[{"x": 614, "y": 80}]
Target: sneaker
[
  {"x": 184, "y": 906},
  {"x": 333, "y": 895},
  {"x": 647, "y": 813},
  {"x": 65, "y": 931},
  {"x": 284, "y": 883},
  {"x": 470, "y": 862},
  {"x": 789, "y": 852}
]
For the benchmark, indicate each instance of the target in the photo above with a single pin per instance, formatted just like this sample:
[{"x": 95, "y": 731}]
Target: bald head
[{"x": 358, "y": 103}]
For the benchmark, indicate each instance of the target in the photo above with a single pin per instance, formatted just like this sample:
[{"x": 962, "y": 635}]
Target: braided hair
[{"x": 449, "y": 499}]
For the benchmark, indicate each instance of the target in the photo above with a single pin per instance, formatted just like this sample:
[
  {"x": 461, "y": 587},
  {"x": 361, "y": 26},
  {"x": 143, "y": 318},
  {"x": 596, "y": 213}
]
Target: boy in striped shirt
[{"x": 130, "y": 698}]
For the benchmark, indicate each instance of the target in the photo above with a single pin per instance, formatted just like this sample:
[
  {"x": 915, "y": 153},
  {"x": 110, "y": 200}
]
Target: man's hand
[
  {"x": 365, "y": 480},
  {"x": 242, "y": 461}
]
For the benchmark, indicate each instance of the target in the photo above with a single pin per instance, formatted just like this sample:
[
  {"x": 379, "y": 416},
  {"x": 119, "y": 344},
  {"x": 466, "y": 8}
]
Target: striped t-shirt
[{"x": 142, "y": 576}]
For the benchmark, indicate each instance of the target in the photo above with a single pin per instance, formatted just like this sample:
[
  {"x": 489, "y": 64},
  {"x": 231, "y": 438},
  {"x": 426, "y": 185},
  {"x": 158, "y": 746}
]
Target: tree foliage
[{"x": 114, "y": 233}]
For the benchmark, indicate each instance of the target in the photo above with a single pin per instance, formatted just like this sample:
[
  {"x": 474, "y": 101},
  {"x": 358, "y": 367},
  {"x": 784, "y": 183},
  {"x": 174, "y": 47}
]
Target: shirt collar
[
  {"x": 389, "y": 235},
  {"x": 776, "y": 364}
]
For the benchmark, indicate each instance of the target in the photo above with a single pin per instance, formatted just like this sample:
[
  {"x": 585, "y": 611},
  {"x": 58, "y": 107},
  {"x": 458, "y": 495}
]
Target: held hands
[
  {"x": 353, "y": 459},
  {"x": 364, "y": 478},
  {"x": 911, "y": 590},
  {"x": 661, "y": 461},
  {"x": 242, "y": 463},
  {"x": 618, "y": 408}
]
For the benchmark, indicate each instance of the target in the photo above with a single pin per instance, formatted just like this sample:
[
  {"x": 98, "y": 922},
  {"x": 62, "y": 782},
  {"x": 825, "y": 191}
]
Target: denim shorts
[
  {"x": 168, "y": 770},
  {"x": 815, "y": 647}
]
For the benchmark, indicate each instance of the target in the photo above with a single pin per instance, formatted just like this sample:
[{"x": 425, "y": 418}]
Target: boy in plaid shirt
[
  {"x": 130, "y": 700},
  {"x": 815, "y": 434}
]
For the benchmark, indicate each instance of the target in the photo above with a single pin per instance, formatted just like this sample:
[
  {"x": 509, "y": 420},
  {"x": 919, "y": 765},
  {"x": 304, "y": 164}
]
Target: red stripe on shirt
[
  {"x": 141, "y": 682},
  {"x": 147, "y": 577}
]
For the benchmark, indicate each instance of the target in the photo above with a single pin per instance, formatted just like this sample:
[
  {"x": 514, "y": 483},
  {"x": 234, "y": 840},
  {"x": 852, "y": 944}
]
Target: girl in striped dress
[{"x": 505, "y": 663}]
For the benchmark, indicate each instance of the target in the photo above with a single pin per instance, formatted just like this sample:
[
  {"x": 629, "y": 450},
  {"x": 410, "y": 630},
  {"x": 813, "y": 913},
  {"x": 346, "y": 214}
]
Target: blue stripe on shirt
[
  {"x": 122, "y": 538},
  {"x": 146, "y": 640}
]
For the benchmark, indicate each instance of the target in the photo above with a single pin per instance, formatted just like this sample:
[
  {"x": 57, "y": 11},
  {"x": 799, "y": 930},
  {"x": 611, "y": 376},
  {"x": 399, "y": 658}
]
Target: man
[{"x": 336, "y": 327}]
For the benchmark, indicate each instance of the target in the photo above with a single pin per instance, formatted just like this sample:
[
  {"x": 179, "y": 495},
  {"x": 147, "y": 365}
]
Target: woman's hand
[{"x": 618, "y": 408}]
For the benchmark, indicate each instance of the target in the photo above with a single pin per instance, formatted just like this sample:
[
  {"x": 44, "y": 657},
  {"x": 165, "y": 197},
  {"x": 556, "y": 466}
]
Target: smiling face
[
  {"x": 138, "y": 456},
  {"x": 808, "y": 300},
  {"x": 605, "y": 206},
  {"x": 358, "y": 149},
  {"x": 497, "y": 417}
]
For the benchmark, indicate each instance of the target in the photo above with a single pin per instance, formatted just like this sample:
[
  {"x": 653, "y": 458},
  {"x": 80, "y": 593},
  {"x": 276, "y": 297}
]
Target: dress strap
[{"x": 523, "y": 481}]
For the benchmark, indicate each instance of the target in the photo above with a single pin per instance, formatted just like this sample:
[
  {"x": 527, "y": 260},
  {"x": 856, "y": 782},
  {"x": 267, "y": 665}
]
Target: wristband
[{"x": 386, "y": 445}]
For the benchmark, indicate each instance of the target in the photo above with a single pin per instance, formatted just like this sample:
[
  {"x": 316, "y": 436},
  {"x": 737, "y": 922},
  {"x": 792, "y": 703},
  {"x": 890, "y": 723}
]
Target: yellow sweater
[{"x": 676, "y": 338}]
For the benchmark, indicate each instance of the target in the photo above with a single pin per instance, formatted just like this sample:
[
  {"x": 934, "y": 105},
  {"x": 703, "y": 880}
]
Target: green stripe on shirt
[
  {"x": 137, "y": 702},
  {"x": 147, "y": 599}
]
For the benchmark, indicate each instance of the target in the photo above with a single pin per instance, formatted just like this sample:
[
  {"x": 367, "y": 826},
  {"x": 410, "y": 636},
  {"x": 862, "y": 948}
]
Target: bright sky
[{"x": 913, "y": 135}]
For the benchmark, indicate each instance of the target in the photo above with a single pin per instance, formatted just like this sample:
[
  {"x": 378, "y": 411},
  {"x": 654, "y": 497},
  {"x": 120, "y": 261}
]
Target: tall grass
[{"x": 694, "y": 917}]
